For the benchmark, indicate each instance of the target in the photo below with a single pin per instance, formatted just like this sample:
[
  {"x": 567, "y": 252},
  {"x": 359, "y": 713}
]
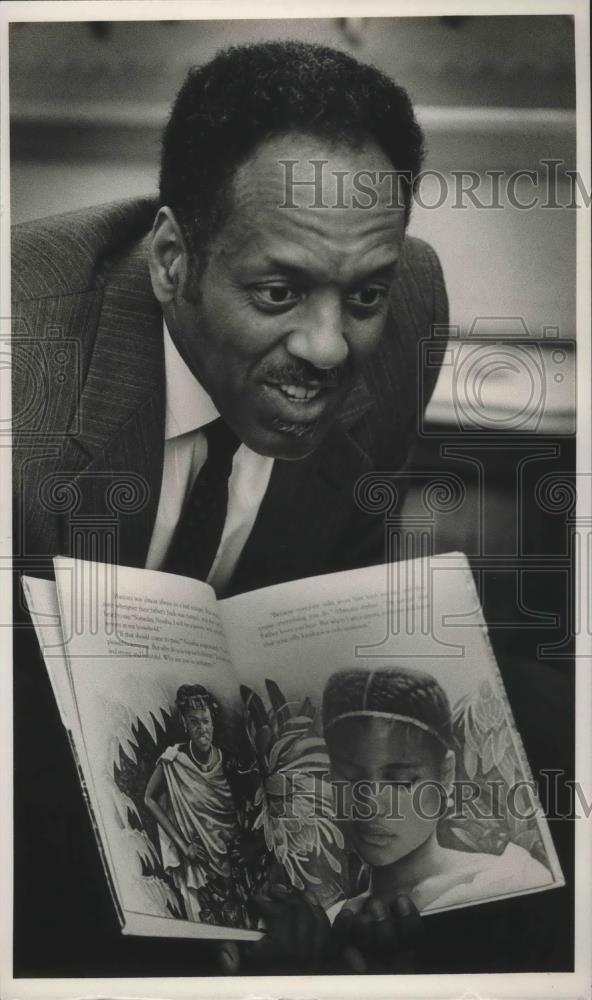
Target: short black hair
[{"x": 249, "y": 93}]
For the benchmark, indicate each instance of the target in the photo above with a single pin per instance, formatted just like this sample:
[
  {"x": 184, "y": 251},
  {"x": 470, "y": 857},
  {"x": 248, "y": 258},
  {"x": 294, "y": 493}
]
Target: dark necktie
[{"x": 199, "y": 529}]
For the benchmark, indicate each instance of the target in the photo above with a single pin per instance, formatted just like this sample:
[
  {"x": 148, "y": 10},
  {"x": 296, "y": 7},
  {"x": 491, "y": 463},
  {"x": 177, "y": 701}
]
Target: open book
[{"x": 324, "y": 733}]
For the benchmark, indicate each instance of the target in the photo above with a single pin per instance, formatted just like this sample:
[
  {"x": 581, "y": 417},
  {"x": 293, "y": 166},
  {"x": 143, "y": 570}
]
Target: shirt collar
[{"x": 188, "y": 406}]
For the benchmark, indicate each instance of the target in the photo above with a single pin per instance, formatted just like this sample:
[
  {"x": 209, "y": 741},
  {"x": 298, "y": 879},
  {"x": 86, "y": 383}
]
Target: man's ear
[{"x": 168, "y": 257}]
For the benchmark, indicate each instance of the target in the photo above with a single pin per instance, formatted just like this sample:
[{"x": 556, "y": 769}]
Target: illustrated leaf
[
  {"x": 301, "y": 722},
  {"x": 278, "y": 703},
  {"x": 487, "y": 755},
  {"x": 464, "y": 838},
  {"x": 282, "y": 745},
  {"x": 262, "y": 740},
  {"x": 307, "y": 764},
  {"x": 471, "y": 761},
  {"x": 501, "y": 741},
  {"x": 333, "y": 862},
  {"x": 307, "y": 709},
  {"x": 254, "y": 706},
  {"x": 509, "y": 767}
]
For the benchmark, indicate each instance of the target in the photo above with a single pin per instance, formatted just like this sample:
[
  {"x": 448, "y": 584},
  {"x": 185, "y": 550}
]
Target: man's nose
[{"x": 319, "y": 337}]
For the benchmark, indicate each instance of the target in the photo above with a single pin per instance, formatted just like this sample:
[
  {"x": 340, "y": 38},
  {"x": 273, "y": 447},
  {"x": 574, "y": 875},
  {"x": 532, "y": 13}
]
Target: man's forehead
[
  {"x": 306, "y": 172},
  {"x": 327, "y": 222}
]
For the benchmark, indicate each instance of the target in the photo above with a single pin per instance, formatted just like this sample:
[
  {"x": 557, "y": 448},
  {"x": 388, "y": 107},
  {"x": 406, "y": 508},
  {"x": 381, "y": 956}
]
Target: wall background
[{"x": 88, "y": 101}]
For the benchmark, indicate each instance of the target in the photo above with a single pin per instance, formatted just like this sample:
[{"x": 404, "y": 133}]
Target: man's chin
[{"x": 287, "y": 441}]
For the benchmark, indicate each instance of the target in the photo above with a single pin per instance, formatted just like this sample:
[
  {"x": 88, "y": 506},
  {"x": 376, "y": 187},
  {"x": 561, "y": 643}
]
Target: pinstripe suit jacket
[{"x": 88, "y": 392}]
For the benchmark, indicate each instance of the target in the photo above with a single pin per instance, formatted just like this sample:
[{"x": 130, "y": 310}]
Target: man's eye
[
  {"x": 368, "y": 298},
  {"x": 275, "y": 295}
]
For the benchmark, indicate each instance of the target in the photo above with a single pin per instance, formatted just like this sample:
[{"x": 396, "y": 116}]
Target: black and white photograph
[{"x": 295, "y": 393}]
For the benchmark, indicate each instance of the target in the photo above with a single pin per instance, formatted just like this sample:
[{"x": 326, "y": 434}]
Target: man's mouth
[
  {"x": 297, "y": 403},
  {"x": 300, "y": 392}
]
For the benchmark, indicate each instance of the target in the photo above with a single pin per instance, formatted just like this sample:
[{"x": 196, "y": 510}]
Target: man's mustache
[{"x": 307, "y": 375}]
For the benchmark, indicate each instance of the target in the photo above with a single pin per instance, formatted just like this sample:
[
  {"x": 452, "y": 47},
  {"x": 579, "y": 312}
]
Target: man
[
  {"x": 293, "y": 307},
  {"x": 270, "y": 284},
  {"x": 262, "y": 286}
]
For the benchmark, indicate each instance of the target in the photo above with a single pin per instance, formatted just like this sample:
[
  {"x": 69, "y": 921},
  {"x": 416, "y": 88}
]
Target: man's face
[
  {"x": 379, "y": 762},
  {"x": 292, "y": 300},
  {"x": 200, "y": 729}
]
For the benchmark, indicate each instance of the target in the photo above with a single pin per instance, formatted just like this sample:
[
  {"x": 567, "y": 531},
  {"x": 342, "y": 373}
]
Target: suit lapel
[{"x": 119, "y": 449}]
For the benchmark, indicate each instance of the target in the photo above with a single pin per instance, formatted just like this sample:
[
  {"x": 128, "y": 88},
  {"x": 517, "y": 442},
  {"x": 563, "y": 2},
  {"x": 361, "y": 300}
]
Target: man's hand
[
  {"x": 297, "y": 932},
  {"x": 296, "y": 937},
  {"x": 377, "y": 938},
  {"x": 299, "y": 938}
]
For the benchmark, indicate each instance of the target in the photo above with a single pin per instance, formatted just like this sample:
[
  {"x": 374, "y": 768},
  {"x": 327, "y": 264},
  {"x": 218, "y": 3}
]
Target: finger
[
  {"x": 268, "y": 908},
  {"x": 310, "y": 906},
  {"x": 375, "y": 908},
  {"x": 353, "y": 960},
  {"x": 301, "y": 921},
  {"x": 378, "y": 928},
  {"x": 298, "y": 930},
  {"x": 311, "y": 898},
  {"x": 408, "y": 922},
  {"x": 280, "y": 891},
  {"x": 373, "y": 931},
  {"x": 228, "y": 957},
  {"x": 341, "y": 932},
  {"x": 312, "y": 928},
  {"x": 263, "y": 953}
]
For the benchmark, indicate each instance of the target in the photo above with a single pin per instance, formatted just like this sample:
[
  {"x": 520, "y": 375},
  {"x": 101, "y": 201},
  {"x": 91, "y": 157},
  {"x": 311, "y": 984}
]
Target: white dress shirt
[{"x": 188, "y": 410}]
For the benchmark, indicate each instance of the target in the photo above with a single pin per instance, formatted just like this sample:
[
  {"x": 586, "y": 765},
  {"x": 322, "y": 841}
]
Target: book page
[
  {"x": 147, "y": 656},
  {"x": 413, "y": 699}
]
